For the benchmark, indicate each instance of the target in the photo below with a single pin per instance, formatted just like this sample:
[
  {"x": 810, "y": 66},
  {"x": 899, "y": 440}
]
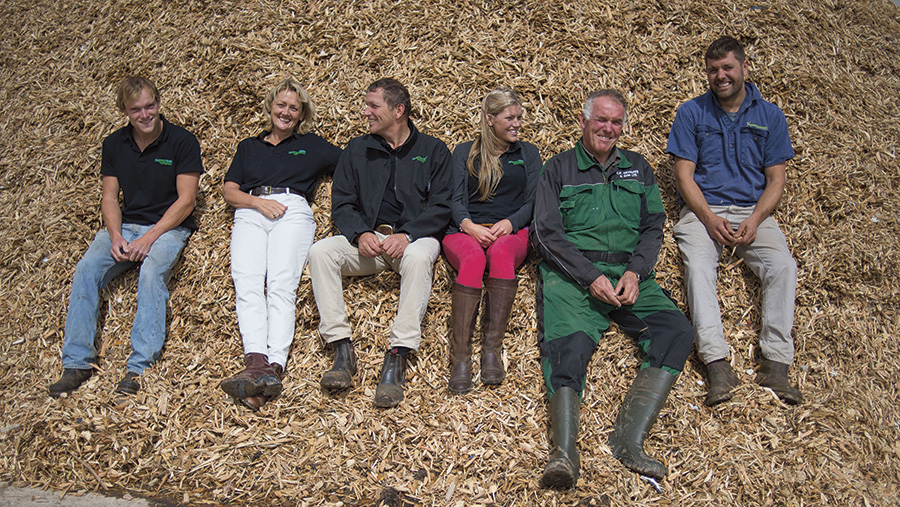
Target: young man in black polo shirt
[{"x": 157, "y": 167}]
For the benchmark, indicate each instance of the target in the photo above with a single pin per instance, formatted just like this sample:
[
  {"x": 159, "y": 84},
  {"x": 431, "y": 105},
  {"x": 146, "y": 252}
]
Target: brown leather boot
[
  {"x": 465, "y": 303},
  {"x": 773, "y": 375},
  {"x": 257, "y": 378},
  {"x": 499, "y": 295},
  {"x": 255, "y": 403}
]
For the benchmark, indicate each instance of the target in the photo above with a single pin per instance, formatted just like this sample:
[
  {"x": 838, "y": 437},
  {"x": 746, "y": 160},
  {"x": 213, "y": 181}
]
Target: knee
[{"x": 321, "y": 255}]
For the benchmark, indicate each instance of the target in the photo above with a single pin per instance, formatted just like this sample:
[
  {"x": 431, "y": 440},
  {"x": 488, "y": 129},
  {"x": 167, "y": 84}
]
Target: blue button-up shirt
[{"x": 731, "y": 156}]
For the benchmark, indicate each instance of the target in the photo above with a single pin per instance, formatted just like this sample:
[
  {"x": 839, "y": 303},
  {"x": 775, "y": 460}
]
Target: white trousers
[
  {"x": 267, "y": 259},
  {"x": 332, "y": 258},
  {"x": 768, "y": 257}
]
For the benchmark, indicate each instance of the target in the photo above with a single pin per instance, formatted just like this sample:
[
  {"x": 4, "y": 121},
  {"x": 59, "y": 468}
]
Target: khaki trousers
[
  {"x": 768, "y": 257},
  {"x": 333, "y": 258}
]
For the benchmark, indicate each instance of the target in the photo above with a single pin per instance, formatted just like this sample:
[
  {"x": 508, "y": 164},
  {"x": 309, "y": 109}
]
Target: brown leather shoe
[
  {"x": 255, "y": 403},
  {"x": 257, "y": 378}
]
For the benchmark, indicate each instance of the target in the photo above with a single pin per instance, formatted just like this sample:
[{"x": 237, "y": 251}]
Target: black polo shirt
[
  {"x": 147, "y": 178},
  {"x": 295, "y": 163}
]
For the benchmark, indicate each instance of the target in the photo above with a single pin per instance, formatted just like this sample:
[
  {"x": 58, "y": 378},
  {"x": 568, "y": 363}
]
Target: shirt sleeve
[
  {"x": 236, "y": 169},
  {"x": 345, "y": 206},
  {"x": 187, "y": 157},
  {"x": 682, "y": 139},
  {"x": 548, "y": 234},
  {"x": 459, "y": 202},
  {"x": 650, "y": 231},
  {"x": 778, "y": 143}
]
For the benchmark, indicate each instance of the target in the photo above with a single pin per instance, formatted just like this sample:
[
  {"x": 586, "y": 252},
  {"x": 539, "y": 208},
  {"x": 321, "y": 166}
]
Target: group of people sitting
[{"x": 594, "y": 214}]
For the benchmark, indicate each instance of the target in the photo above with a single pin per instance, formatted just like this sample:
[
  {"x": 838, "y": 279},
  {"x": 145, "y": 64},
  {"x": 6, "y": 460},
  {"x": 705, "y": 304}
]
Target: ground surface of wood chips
[{"x": 831, "y": 65}]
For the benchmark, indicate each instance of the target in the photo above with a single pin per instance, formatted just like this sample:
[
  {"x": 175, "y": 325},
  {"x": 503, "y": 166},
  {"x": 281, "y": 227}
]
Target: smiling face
[
  {"x": 726, "y": 77},
  {"x": 287, "y": 112},
  {"x": 602, "y": 130},
  {"x": 506, "y": 123},
  {"x": 143, "y": 115},
  {"x": 380, "y": 115}
]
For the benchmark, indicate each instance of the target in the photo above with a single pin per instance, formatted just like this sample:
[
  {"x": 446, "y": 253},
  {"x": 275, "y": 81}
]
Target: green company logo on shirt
[
  {"x": 420, "y": 159},
  {"x": 517, "y": 162},
  {"x": 760, "y": 127},
  {"x": 163, "y": 161},
  {"x": 297, "y": 152}
]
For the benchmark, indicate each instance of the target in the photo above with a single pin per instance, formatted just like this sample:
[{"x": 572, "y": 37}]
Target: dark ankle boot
[
  {"x": 465, "y": 303},
  {"x": 252, "y": 380},
  {"x": 721, "y": 381},
  {"x": 773, "y": 375},
  {"x": 638, "y": 412},
  {"x": 340, "y": 376},
  {"x": 498, "y": 299},
  {"x": 562, "y": 470},
  {"x": 389, "y": 392},
  {"x": 70, "y": 380}
]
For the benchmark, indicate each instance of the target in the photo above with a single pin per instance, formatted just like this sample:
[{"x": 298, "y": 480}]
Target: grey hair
[{"x": 607, "y": 92}]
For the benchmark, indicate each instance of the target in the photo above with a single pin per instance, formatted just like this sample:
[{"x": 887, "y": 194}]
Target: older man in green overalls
[{"x": 598, "y": 226}]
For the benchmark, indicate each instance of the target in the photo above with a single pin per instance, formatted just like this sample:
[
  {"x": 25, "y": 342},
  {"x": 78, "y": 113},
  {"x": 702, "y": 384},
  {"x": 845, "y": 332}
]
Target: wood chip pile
[{"x": 831, "y": 65}]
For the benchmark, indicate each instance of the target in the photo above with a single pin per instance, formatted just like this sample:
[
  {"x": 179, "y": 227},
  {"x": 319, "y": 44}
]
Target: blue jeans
[{"x": 94, "y": 272}]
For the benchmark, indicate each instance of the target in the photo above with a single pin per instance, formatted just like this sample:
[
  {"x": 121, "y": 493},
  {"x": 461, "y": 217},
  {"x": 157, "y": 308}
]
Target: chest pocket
[
  {"x": 579, "y": 207},
  {"x": 626, "y": 200},
  {"x": 753, "y": 146},
  {"x": 710, "y": 145}
]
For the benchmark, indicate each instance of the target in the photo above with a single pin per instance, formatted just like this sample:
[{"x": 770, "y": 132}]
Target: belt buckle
[{"x": 266, "y": 190}]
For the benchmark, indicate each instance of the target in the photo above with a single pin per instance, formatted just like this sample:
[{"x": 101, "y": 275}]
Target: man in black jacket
[{"x": 390, "y": 201}]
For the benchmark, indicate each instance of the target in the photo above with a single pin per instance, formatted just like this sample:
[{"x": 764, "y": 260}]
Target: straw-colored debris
[{"x": 831, "y": 65}]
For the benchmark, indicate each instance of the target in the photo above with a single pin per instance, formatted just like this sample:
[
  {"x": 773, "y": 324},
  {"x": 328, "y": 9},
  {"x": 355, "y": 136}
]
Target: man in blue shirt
[
  {"x": 156, "y": 167},
  {"x": 730, "y": 148}
]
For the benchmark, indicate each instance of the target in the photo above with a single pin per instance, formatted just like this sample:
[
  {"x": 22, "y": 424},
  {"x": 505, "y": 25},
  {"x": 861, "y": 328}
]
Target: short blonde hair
[
  {"x": 306, "y": 104},
  {"x": 131, "y": 87}
]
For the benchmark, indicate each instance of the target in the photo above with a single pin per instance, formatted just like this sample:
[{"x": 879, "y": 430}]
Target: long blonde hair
[{"x": 487, "y": 148}]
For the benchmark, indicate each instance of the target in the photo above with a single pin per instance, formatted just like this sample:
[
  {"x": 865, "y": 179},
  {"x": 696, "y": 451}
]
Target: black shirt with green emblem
[{"x": 147, "y": 179}]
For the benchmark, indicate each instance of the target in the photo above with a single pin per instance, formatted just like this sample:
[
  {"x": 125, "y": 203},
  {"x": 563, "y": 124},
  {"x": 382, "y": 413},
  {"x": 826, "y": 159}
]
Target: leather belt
[
  {"x": 266, "y": 190},
  {"x": 608, "y": 257},
  {"x": 385, "y": 229}
]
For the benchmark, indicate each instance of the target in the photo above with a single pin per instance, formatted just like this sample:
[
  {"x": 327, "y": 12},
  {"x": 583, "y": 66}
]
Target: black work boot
[
  {"x": 721, "y": 381},
  {"x": 129, "y": 384},
  {"x": 389, "y": 392},
  {"x": 70, "y": 380},
  {"x": 340, "y": 376},
  {"x": 498, "y": 300},
  {"x": 258, "y": 377},
  {"x": 562, "y": 470},
  {"x": 638, "y": 412},
  {"x": 773, "y": 375},
  {"x": 465, "y": 303}
]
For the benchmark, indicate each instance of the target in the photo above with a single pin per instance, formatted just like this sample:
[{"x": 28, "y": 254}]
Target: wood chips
[{"x": 831, "y": 65}]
